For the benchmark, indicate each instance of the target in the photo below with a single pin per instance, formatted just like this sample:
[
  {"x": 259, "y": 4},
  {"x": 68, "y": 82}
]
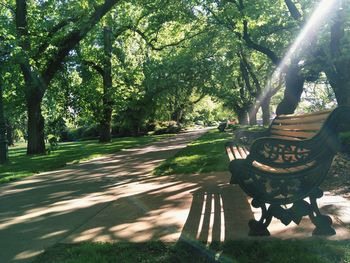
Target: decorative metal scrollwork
[
  {"x": 282, "y": 153},
  {"x": 294, "y": 214}
]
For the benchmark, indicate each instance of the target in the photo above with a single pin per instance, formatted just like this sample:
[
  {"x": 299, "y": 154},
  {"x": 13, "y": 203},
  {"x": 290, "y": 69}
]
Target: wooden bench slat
[
  {"x": 242, "y": 152},
  {"x": 311, "y": 119},
  {"x": 230, "y": 153},
  {"x": 287, "y": 116},
  {"x": 285, "y": 137},
  {"x": 297, "y": 134},
  {"x": 300, "y": 127},
  {"x": 235, "y": 151}
]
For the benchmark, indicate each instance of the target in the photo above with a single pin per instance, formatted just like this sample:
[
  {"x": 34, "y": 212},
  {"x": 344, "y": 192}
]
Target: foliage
[
  {"x": 179, "y": 61},
  {"x": 164, "y": 127},
  {"x": 317, "y": 96}
]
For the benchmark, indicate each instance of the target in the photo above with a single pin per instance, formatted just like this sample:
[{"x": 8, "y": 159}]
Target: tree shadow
[{"x": 42, "y": 210}]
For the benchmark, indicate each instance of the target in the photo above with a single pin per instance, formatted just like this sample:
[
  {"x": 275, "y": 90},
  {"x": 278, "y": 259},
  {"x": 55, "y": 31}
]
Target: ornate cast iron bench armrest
[{"x": 282, "y": 153}]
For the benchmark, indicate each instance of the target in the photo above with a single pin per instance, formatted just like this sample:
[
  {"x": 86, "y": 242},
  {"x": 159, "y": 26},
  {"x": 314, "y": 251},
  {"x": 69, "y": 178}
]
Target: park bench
[{"x": 284, "y": 169}]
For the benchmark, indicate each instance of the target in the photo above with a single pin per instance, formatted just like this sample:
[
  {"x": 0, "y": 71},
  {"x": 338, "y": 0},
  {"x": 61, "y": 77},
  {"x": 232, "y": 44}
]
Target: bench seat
[{"x": 287, "y": 166}]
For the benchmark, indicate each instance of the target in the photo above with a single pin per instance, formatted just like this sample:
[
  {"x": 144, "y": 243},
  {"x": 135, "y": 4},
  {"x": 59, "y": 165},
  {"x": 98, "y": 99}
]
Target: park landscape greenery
[
  {"x": 74, "y": 70},
  {"x": 112, "y": 68}
]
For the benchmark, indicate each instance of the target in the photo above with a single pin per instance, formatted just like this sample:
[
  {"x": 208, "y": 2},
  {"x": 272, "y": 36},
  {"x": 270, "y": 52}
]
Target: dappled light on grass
[
  {"x": 21, "y": 165},
  {"x": 206, "y": 154}
]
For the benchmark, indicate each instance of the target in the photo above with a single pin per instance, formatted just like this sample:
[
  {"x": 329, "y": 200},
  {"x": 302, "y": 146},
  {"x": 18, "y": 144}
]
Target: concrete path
[
  {"x": 115, "y": 199},
  {"x": 42, "y": 210}
]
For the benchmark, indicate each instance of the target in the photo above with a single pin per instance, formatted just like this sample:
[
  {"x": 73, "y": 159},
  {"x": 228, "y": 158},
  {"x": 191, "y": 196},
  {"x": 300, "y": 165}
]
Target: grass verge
[
  {"x": 243, "y": 251},
  {"x": 22, "y": 165},
  {"x": 206, "y": 154}
]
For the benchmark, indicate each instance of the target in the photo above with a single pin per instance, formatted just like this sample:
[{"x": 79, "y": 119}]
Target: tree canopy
[{"x": 111, "y": 68}]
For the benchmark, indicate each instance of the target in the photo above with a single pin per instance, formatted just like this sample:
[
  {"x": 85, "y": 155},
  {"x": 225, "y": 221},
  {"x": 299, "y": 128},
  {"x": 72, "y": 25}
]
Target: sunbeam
[{"x": 302, "y": 43}]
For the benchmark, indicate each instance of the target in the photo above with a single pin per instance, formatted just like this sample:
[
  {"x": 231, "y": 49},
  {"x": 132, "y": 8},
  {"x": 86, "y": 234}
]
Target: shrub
[
  {"x": 52, "y": 139},
  {"x": 71, "y": 134},
  {"x": 90, "y": 132},
  {"x": 115, "y": 130},
  {"x": 81, "y": 133},
  {"x": 164, "y": 127},
  {"x": 233, "y": 127}
]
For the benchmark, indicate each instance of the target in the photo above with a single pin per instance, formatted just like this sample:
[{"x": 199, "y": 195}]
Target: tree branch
[
  {"x": 73, "y": 38},
  {"x": 8, "y": 7},
  {"x": 252, "y": 73},
  {"x": 228, "y": 25},
  {"x": 293, "y": 10},
  {"x": 153, "y": 47},
  {"x": 22, "y": 24},
  {"x": 51, "y": 34},
  {"x": 268, "y": 52},
  {"x": 94, "y": 65}
]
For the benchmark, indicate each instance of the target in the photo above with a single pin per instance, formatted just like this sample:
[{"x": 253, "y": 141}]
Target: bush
[
  {"x": 164, "y": 127},
  {"x": 71, "y": 134},
  {"x": 115, "y": 130},
  {"x": 55, "y": 127},
  {"x": 81, "y": 133},
  {"x": 233, "y": 127},
  {"x": 90, "y": 132},
  {"x": 345, "y": 141},
  {"x": 52, "y": 139}
]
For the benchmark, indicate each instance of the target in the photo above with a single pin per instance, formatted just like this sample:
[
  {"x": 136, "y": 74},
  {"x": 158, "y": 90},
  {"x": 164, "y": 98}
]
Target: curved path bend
[{"x": 41, "y": 210}]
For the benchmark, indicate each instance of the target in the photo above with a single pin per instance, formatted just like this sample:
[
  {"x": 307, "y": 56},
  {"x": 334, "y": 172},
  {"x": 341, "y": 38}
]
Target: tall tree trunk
[
  {"x": 242, "y": 115},
  {"x": 105, "y": 124},
  {"x": 252, "y": 115},
  {"x": 338, "y": 72},
  {"x": 177, "y": 115},
  {"x": 341, "y": 87},
  {"x": 34, "y": 89},
  {"x": 3, "y": 141},
  {"x": 9, "y": 132},
  {"x": 265, "y": 108},
  {"x": 36, "y": 139},
  {"x": 294, "y": 88}
]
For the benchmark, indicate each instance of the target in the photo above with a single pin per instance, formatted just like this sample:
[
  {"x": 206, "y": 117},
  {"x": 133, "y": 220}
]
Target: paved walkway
[{"x": 114, "y": 198}]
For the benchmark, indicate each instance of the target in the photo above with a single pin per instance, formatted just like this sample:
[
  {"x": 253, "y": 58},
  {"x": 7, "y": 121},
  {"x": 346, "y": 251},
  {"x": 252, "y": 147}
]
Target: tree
[
  {"x": 337, "y": 54},
  {"x": 39, "y": 61}
]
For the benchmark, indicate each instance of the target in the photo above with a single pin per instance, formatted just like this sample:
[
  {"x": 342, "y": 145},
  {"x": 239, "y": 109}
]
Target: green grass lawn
[
  {"x": 21, "y": 165},
  {"x": 243, "y": 251},
  {"x": 206, "y": 154}
]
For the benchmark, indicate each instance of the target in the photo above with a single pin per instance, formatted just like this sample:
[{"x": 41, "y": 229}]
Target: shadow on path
[
  {"x": 42, "y": 210},
  {"x": 214, "y": 218}
]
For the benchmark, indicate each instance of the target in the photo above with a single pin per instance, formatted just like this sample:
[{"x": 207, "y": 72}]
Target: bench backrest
[{"x": 298, "y": 127}]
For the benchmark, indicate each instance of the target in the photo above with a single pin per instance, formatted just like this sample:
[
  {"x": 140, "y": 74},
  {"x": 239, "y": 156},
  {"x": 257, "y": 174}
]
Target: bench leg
[
  {"x": 322, "y": 222},
  {"x": 259, "y": 228}
]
